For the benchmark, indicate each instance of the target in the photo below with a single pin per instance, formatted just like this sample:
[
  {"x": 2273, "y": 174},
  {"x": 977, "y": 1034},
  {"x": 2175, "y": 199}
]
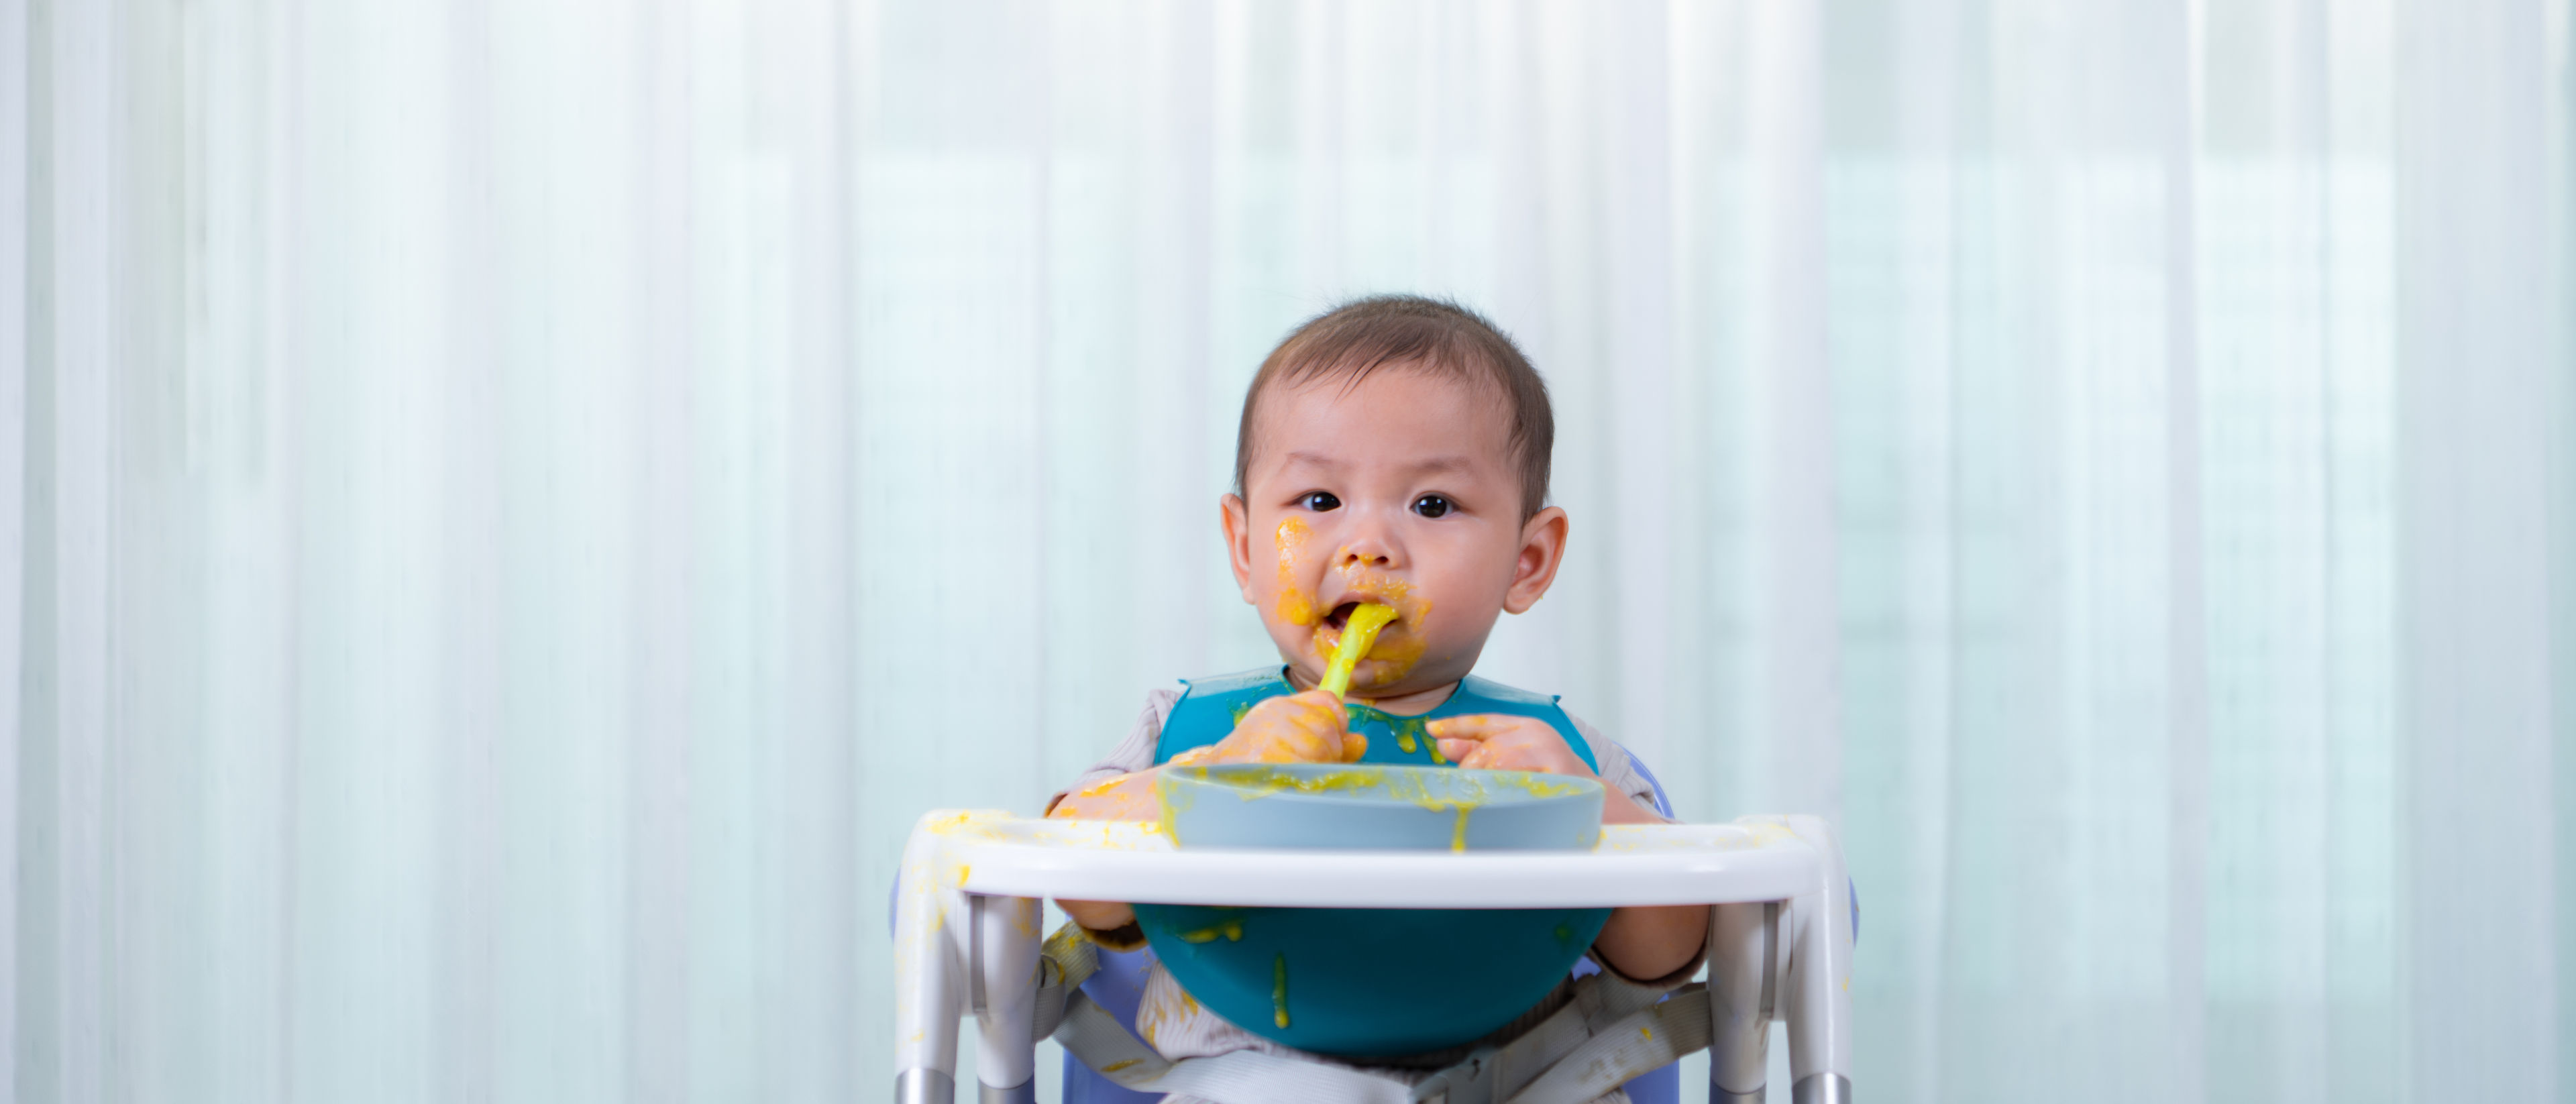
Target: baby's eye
[
  {"x": 1320, "y": 501},
  {"x": 1431, "y": 506}
]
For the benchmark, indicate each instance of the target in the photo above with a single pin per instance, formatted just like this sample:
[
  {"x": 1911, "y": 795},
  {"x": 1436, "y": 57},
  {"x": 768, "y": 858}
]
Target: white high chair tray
[{"x": 1679, "y": 864}]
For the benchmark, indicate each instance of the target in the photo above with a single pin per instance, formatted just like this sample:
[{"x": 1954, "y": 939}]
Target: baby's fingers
[
  {"x": 1313, "y": 721},
  {"x": 1461, "y": 740},
  {"x": 1326, "y": 720},
  {"x": 1475, "y": 726},
  {"x": 1318, "y": 703},
  {"x": 1505, "y": 742}
]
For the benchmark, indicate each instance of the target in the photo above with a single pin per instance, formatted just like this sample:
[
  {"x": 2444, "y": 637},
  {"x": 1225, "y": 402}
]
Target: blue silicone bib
[{"x": 1365, "y": 982}]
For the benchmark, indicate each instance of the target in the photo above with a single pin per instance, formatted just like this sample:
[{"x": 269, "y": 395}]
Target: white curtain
[{"x": 515, "y": 507}]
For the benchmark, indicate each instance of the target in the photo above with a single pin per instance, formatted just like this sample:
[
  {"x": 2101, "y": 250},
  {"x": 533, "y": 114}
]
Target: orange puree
[
  {"x": 1393, "y": 658},
  {"x": 1356, "y": 637},
  {"x": 1296, "y": 607},
  {"x": 1409, "y": 732}
]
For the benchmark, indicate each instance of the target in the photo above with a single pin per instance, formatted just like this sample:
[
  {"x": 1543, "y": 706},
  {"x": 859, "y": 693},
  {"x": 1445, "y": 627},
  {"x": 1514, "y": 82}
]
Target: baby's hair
[{"x": 1414, "y": 333}]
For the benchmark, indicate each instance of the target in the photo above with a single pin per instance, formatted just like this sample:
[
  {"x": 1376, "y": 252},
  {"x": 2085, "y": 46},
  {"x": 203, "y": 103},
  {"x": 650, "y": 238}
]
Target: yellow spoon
[{"x": 1357, "y": 635}]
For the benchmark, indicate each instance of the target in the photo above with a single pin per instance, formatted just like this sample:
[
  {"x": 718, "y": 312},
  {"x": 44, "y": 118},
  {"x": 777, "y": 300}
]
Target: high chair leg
[
  {"x": 1004, "y": 971},
  {"x": 1784, "y": 960},
  {"x": 932, "y": 928},
  {"x": 1745, "y": 955},
  {"x": 1818, "y": 986}
]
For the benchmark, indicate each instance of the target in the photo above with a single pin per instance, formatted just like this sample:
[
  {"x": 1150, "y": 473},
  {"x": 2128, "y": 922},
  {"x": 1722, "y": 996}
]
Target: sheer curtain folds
[{"x": 514, "y": 508}]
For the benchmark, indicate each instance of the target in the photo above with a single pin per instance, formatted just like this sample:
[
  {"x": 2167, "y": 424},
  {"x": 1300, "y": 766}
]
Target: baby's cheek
[{"x": 1294, "y": 605}]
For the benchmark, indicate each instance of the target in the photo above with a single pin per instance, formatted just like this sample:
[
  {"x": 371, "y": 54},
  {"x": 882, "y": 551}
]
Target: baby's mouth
[
  {"x": 1339, "y": 618},
  {"x": 1395, "y": 649}
]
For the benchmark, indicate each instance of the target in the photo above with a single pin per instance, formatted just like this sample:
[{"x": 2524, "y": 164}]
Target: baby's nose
[{"x": 1368, "y": 555}]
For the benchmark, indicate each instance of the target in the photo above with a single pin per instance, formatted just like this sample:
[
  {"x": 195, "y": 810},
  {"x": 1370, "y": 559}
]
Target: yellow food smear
[
  {"x": 1279, "y": 991},
  {"x": 1121, "y": 798},
  {"x": 1395, "y": 658},
  {"x": 1232, "y": 930},
  {"x": 1164, "y": 806},
  {"x": 1278, "y": 751},
  {"x": 1266, "y": 783},
  {"x": 1458, "y": 836},
  {"x": 1253, "y": 785},
  {"x": 1537, "y": 785},
  {"x": 1060, "y": 945},
  {"x": 1120, "y": 1064},
  {"x": 1355, "y": 640},
  {"x": 1296, "y": 607},
  {"x": 1409, "y": 732},
  {"x": 1160, "y": 1008}
]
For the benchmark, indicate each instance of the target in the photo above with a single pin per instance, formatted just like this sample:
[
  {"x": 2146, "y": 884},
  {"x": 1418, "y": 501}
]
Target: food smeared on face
[
  {"x": 1395, "y": 654},
  {"x": 1358, "y": 633},
  {"x": 1399, "y": 645},
  {"x": 1296, "y": 604}
]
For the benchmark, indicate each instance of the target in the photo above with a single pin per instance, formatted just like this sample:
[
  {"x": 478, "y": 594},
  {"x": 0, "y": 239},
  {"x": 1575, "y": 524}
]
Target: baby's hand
[
  {"x": 1490, "y": 741},
  {"x": 1298, "y": 728},
  {"x": 1497, "y": 741}
]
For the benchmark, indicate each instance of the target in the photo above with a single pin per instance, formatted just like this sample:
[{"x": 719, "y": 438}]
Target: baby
[{"x": 1392, "y": 451}]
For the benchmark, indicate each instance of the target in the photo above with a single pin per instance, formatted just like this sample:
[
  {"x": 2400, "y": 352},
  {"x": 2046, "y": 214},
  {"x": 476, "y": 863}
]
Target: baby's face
[{"x": 1401, "y": 491}]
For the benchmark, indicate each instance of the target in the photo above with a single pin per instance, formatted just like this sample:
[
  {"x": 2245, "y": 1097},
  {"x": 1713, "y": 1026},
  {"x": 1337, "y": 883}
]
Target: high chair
[{"x": 967, "y": 927}]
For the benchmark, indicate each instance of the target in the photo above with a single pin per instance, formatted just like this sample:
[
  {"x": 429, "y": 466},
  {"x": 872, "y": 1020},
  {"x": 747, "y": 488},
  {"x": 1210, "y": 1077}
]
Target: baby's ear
[
  {"x": 1542, "y": 551},
  {"x": 1236, "y": 519}
]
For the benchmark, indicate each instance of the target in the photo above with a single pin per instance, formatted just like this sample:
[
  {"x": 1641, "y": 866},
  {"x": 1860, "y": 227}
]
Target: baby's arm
[
  {"x": 1652, "y": 942},
  {"x": 1123, "y": 797},
  {"x": 1646, "y": 943},
  {"x": 1296, "y": 728}
]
